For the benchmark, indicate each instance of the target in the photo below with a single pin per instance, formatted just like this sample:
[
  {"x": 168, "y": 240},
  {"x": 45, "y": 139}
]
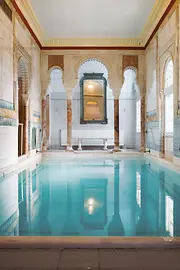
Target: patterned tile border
[
  {"x": 36, "y": 117},
  {"x": 36, "y": 114},
  {"x": 151, "y": 113},
  {"x": 8, "y": 121},
  {"x": 8, "y": 113},
  {"x": 6, "y": 105},
  {"x": 151, "y": 116}
]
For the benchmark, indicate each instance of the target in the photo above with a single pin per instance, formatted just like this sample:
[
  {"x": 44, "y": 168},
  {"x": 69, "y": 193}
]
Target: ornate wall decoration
[
  {"x": 151, "y": 116},
  {"x": 7, "y": 113},
  {"x": 130, "y": 61},
  {"x": 56, "y": 60},
  {"x": 21, "y": 51}
]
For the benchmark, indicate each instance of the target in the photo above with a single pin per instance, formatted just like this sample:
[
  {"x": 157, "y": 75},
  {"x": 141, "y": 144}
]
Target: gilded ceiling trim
[
  {"x": 155, "y": 18},
  {"x": 130, "y": 42}
]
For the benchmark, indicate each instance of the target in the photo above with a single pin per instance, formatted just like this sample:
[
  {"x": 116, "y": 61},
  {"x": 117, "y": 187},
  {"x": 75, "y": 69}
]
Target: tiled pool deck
[{"x": 141, "y": 259}]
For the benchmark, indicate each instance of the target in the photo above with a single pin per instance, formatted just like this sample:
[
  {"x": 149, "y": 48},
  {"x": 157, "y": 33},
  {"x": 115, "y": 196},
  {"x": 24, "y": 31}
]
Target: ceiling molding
[
  {"x": 29, "y": 14},
  {"x": 113, "y": 42},
  {"x": 158, "y": 11},
  {"x": 157, "y": 16}
]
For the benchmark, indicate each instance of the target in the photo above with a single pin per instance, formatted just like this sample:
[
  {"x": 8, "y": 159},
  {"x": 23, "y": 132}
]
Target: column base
[
  {"x": 116, "y": 149},
  {"x": 69, "y": 148}
]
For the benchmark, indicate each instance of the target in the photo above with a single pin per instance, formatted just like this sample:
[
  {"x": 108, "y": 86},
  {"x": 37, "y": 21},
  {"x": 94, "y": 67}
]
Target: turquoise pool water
[{"x": 91, "y": 198}]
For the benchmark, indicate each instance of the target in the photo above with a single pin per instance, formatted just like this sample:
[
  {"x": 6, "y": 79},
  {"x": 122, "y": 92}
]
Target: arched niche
[
  {"x": 86, "y": 59},
  {"x": 92, "y": 131},
  {"x": 167, "y": 102},
  {"x": 56, "y": 109},
  {"x": 130, "y": 113}
]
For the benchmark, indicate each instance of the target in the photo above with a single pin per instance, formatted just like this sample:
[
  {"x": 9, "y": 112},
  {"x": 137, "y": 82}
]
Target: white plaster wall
[
  {"x": 151, "y": 77},
  {"x": 58, "y": 111},
  {"x": 167, "y": 33},
  {"x": 8, "y": 198},
  {"x": 127, "y": 109},
  {"x": 23, "y": 36},
  {"x": 58, "y": 119},
  {"x": 35, "y": 80},
  {"x": 8, "y": 135},
  {"x": 6, "y": 58},
  {"x": 8, "y": 146}
]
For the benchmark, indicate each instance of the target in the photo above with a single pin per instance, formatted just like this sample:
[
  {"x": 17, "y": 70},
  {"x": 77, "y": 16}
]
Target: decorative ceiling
[{"x": 93, "y": 23}]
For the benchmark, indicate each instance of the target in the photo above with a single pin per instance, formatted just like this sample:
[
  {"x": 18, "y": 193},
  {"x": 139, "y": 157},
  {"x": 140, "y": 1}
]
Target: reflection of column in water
[
  {"x": 23, "y": 198},
  {"x": 162, "y": 213},
  {"x": 176, "y": 197},
  {"x": 128, "y": 197},
  {"x": 141, "y": 222},
  {"x": 70, "y": 227},
  {"x": 44, "y": 225},
  {"x": 115, "y": 227}
]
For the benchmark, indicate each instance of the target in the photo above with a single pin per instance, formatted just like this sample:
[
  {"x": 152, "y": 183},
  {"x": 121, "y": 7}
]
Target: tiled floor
[{"x": 90, "y": 259}]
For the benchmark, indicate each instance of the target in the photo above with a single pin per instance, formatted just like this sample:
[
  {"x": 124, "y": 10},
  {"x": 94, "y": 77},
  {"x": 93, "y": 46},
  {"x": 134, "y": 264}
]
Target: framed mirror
[{"x": 93, "y": 101}]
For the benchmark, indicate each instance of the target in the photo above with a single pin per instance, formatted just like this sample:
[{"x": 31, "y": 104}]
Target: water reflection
[
  {"x": 115, "y": 227},
  {"x": 115, "y": 198}
]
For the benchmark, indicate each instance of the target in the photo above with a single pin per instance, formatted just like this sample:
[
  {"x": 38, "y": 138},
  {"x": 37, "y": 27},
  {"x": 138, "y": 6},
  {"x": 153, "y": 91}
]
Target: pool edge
[{"x": 50, "y": 242}]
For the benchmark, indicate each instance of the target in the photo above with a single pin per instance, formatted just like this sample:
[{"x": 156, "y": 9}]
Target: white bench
[{"x": 105, "y": 142}]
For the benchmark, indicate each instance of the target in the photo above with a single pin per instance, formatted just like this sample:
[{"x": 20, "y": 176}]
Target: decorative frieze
[
  {"x": 6, "y": 105},
  {"x": 130, "y": 61},
  {"x": 4, "y": 121},
  {"x": 22, "y": 50},
  {"x": 151, "y": 116}
]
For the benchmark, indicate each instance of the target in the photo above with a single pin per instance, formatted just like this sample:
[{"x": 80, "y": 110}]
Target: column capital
[
  {"x": 116, "y": 93},
  {"x": 26, "y": 98}
]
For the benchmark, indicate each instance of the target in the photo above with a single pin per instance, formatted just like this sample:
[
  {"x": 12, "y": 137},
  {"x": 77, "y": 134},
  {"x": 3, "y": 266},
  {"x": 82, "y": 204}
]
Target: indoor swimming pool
[{"x": 91, "y": 197}]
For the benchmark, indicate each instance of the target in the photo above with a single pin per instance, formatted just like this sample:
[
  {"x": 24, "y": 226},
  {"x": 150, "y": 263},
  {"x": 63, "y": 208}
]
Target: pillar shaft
[
  {"x": 116, "y": 124},
  {"x": 44, "y": 125},
  {"x": 142, "y": 146},
  {"x": 26, "y": 130},
  {"x": 69, "y": 124},
  {"x": 47, "y": 121}
]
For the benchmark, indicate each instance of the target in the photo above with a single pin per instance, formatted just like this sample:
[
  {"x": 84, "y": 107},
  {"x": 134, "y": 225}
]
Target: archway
[
  {"x": 130, "y": 111},
  {"x": 167, "y": 100},
  {"x": 92, "y": 134},
  {"x": 57, "y": 110},
  {"x": 22, "y": 107}
]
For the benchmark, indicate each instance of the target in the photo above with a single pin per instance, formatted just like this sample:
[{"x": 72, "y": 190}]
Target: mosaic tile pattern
[
  {"x": 153, "y": 137},
  {"x": 151, "y": 113},
  {"x": 6, "y": 105},
  {"x": 8, "y": 121},
  {"x": 36, "y": 114},
  {"x": 177, "y": 137}
]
